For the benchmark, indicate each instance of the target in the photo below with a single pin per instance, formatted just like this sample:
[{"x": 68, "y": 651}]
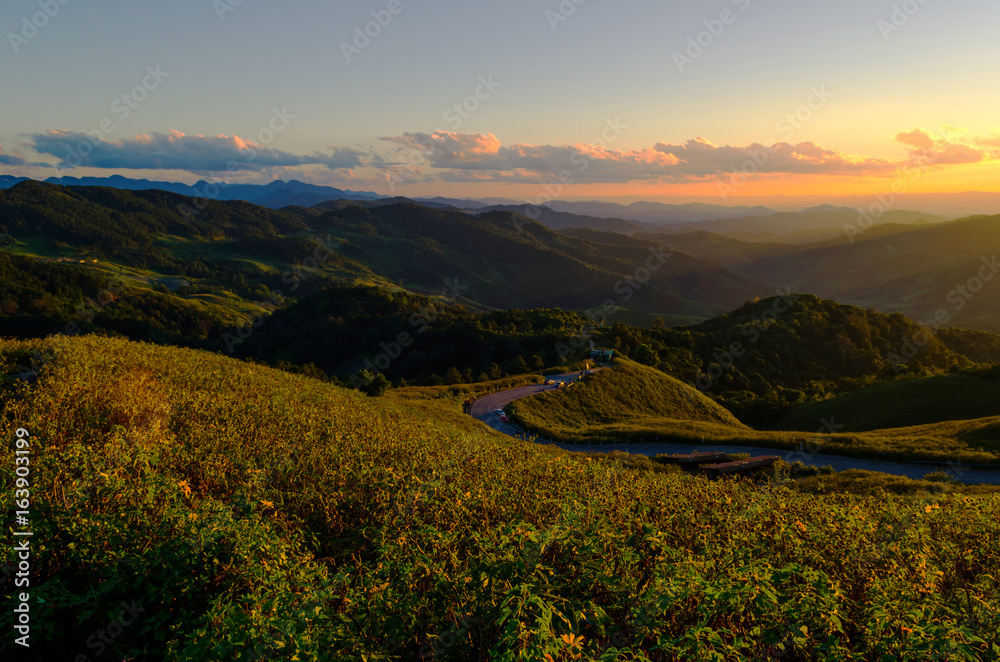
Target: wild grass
[{"x": 254, "y": 514}]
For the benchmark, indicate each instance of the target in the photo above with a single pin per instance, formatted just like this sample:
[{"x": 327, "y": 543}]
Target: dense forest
[{"x": 416, "y": 338}]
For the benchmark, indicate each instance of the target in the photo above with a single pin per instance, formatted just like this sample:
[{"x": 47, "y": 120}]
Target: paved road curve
[{"x": 484, "y": 407}]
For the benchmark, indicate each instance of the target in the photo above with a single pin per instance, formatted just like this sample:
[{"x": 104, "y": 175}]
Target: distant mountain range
[
  {"x": 559, "y": 220},
  {"x": 653, "y": 213},
  {"x": 814, "y": 224},
  {"x": 274, "y": 195},
  {"x": 911, "y": 263},
  {"x": 658, "y": 213},
  {"x": 740, "y": 222},
  {"x": 499, "y": 259}
]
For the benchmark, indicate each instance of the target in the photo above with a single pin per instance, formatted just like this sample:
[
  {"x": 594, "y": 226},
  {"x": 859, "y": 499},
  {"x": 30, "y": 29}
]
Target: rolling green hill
[
  {"x": 635, "y": 404},
  {"x": 38, "y": 298},
  {"x": 613, "y": 396},
  {"x": 504, "y": 260},
  {"x": 245, "y": 513}
]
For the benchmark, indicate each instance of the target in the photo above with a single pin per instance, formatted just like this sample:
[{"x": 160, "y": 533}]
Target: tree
[
  {"x": 452, "y": 376},
  {"x": 536, "y": 363},
  {"x": 378, "y": 386},
  {"x": 517, "y": 366},
  {"x": 646, "y": 355},
  {"x": 370, "y": 383},
  {"x": 494, "y": 372}
]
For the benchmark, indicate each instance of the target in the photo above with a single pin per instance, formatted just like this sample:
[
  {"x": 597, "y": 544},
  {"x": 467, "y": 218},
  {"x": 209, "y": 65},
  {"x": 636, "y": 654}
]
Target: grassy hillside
[
  {"x": 638, "y": 404},
  {"x": 249, "y": 514},
  {"x": 38, "y": 298},
  {"x": 903, "y": 403},
  {"x": 626, "y": 391}
]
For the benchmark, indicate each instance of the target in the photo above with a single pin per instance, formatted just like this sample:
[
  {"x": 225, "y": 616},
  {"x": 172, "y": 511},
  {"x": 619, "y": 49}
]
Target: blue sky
[{"x": 556, "y": 85}]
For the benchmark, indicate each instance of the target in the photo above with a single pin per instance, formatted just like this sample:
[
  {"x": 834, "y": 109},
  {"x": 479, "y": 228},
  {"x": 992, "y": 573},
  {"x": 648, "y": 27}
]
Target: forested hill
[
  {"x": 127, "y": 224},
  {"x": 798, "y": 347},
  {"x": 410, "y": 336},
  {"x": 504, "y": 260}
]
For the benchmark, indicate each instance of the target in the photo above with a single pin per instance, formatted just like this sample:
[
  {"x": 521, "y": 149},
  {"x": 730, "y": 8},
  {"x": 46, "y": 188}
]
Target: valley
[{"x": 323, "y": 358}]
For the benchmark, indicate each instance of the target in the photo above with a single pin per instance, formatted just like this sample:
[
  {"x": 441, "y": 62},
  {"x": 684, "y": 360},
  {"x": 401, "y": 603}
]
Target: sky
[{"x": 721, "y": 101}]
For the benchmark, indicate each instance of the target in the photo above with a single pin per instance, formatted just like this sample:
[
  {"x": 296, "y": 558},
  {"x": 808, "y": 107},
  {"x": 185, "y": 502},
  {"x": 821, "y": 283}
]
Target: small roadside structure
[
  {"x": 695, "y": 459},
  {"x": 717, "y": 463},
  {"x": 601, "y": 353},
  {"x": 739, "y": 467}
]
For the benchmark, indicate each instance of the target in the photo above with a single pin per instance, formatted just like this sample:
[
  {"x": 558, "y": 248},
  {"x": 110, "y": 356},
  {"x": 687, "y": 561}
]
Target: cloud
[
  {"x": 445, "y": 149},
  {"x": 479, "y": 157},
  {"x": 10, "y": 160},
  {"x": 926, "y": 147},
  {"x": 177, "y": 151},
  {"x": 698, "y": 157},
  {"x": 991, "y": 141},
  {"x": 455, "y": 157},
  {"x": 16, "y": 160}
]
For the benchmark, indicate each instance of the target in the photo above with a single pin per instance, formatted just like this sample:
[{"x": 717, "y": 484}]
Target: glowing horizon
[{"x": 659, "y": 101}]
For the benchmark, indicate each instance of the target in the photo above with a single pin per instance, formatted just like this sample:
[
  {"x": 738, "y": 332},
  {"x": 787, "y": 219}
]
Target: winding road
[{"x": 483, "y": 410}]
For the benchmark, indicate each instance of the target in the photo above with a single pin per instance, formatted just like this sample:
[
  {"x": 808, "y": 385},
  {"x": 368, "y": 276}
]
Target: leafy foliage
[
  {"x": 256, "y": 515},
  {"x": 420, "y": 336}
]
